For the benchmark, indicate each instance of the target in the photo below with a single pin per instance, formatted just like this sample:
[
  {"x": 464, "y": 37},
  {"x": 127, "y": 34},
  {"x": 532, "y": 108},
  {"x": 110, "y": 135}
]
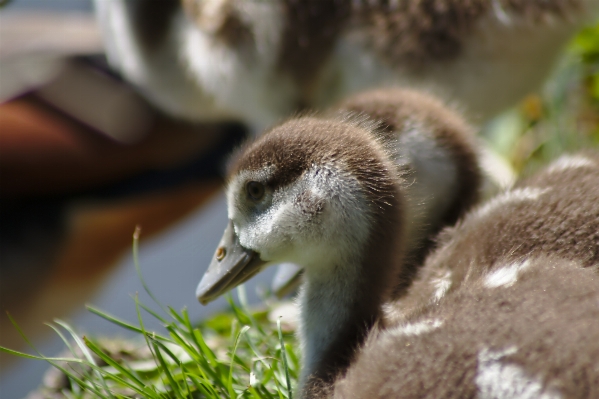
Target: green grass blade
[
  {"x": 230, "y": 380},
  {"x": 202, "y": 387},
  {"x": 121, "y": 323},
  {"x": 166, "y": 369},
  {"x": 22, "y": 334},
  {"x": 254, "y": 349},
  {"x": 176, "y": 315},
  {"x": 111, "y": 362},
  {"x": 86, "y": 353},
  {"x": 284, "y": 355},
  {"x": 63, "y": 338},
  {"x": 52, "y": 361},
  {"x": 153, "y": 313},
  {"x": 243, "y": 301},
  {"x": 135, "y": 251},
  {"x": 39, "y": 357}
]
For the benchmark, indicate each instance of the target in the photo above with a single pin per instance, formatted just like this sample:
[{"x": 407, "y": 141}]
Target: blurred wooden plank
[{"x": 43, "y": 151}]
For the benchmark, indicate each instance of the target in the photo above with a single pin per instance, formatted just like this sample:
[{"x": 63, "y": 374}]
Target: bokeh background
[
  {"x": 172, "y": 262},
  {"x": 563, "y": 117}
]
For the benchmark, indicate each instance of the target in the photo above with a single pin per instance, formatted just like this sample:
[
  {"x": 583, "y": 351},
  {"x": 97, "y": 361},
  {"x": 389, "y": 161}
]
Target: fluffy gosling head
[{"x": 312, "y": 192}]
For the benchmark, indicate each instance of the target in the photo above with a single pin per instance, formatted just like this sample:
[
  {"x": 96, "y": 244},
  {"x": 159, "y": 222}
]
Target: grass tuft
[{"x": 192, "y": 361}]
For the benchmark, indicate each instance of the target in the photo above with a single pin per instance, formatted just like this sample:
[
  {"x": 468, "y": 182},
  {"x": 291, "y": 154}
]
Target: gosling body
[
  {"x": 504, "y": 307},
  {"x": 331, "y": 199}
]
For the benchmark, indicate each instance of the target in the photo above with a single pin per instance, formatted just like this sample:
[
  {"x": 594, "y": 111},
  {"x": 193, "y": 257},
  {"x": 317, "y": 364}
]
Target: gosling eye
[{"x": 255, "y": 190}]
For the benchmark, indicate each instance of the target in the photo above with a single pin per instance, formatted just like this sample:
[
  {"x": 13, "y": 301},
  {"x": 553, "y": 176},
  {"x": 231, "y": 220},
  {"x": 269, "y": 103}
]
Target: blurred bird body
[{"x": 259, "y": 61}]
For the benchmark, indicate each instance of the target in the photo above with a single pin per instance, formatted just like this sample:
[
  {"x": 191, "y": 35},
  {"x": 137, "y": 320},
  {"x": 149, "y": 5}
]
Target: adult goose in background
[
  {"x": 259, "y": 61},
  {"x": 327, "y": 193},
  {"x": 510, "y": 295}
]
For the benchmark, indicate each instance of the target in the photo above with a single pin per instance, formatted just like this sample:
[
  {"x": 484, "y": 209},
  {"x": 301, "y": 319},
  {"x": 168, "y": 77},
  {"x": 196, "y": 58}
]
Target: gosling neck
[{"x": 338, "y": 310}]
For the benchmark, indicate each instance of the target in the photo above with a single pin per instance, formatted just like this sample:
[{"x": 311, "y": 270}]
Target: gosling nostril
[{"x": 221, "y": 252}]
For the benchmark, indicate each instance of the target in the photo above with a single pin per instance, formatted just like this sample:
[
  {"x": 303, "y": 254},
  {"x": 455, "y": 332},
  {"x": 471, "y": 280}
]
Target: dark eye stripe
[{"x": 255, "y": 190}]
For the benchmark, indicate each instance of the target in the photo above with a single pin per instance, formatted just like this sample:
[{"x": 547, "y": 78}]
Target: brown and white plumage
[
  {"x": 259, "y": 61},
  {"x": 332, "y": 200},
  {"x": 436, "y": 154},
  {"x": 553, "y": 213},
  {"x": 505, "y": 307}
]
